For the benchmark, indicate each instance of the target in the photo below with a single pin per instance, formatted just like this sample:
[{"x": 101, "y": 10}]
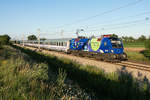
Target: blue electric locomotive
[{"x": 105, "y": 48}]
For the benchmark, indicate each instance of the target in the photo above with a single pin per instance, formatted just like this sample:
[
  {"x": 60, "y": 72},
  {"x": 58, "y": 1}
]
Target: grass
[
  {"x": 137, "y": 56},
  {"x": 1, "y": 46},
  {"x": 146, "y": 53},
  {"x": 134, "y": 44},
  {"x": 113, "y": 86},
  {"x": 22, "y": 78}
]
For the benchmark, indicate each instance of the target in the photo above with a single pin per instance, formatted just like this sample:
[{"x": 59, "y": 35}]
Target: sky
[{"x": 61, "y": 18}]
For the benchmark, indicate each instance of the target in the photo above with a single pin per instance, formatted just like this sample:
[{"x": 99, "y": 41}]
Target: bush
[
  {"x": 147, "y": 51},
  {"x": 4, "y": 39},
  {"x": 147, "y": 44},
  {"x": 0, "y": 46}
]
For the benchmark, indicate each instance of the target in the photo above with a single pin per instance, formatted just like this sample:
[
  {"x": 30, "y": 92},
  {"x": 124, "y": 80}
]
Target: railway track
[
  {"x": 125, "y": 64},
  {"x": 135, "y": 65}
]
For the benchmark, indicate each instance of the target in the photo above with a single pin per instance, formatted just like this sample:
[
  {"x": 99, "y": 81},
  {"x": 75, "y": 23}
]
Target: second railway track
[
  {"x": 135, "y": 66},
  {"x": 127, "y": 64}
]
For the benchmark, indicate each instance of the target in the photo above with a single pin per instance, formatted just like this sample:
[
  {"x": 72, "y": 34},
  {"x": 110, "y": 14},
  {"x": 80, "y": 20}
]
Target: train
[{"x": 104, "y": 48}]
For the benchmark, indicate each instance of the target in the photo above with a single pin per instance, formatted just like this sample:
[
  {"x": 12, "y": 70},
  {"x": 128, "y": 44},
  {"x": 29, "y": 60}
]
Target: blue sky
[{"x": 18, "y": 17}]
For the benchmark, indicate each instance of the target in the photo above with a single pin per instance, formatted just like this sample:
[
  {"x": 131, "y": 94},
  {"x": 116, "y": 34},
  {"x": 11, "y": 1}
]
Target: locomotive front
[
  {"x": 109, "y": 48},
  {"x": 116, "y": 48}
]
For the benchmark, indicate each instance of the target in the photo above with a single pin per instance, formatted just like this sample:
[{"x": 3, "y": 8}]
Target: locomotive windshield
[{"x": 116, "y": 42}]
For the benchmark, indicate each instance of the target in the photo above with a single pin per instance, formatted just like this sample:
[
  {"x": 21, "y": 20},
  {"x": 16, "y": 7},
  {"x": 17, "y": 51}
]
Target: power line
[
  {"x": 133, "y": 23},
  {"x": 117, "y": 19},
  {"x": 103, "y": 13},
  {"x": 122, "y": 23}
]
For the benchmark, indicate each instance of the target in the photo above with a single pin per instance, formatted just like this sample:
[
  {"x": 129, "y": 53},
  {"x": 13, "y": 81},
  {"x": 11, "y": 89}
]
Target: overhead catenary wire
[
  {"x": 127, "y": 25},
  {"x": 97, "y": 15},
  {"x": 119, "y": 19},
  {"x": 103, "y": 13},
  {"x": 121, "y": 23}
]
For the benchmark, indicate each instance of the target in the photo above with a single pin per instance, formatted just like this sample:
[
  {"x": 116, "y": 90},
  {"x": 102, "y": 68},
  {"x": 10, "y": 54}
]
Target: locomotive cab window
[{"x": 116, "y": 43}]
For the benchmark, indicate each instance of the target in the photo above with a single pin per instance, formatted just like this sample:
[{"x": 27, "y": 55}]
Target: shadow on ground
[{"x": 105, "y": 86}]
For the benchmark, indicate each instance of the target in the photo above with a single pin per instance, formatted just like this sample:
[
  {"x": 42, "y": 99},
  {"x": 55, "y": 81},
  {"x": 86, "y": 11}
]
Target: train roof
[{"x": 58, "y": 40}]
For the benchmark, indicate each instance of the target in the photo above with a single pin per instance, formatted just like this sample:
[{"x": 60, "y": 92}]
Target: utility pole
[{"x": 38, "y": 31}]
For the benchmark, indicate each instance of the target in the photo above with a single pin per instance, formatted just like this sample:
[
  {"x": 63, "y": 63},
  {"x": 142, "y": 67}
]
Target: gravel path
[{"x": 107, "y": 67}]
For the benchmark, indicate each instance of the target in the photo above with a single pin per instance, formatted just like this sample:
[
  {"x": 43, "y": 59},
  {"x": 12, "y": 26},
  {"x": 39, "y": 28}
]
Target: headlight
[
  {"x": 112, "y": 51},
  {"x": 124, "y": 56},
  {"x": 114, "y": 56}
]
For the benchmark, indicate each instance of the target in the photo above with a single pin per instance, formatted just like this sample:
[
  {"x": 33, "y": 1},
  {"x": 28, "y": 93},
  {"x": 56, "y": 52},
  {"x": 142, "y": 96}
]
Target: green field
[
  {"x": 137, "y": 56},
  {"x": 133, "y": 44}
]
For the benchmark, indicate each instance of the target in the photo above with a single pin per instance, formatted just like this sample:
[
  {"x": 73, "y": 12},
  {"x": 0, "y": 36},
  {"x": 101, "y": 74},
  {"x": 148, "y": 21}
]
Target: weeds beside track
[
  {"x": 106, "y": 86},
  {"x": 22, "y": 78}
]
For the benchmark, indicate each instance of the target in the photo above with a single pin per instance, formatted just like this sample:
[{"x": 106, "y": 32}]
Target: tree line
[
  {"x": 142, "y": 38},
  {"x": 4, "y": 40}
]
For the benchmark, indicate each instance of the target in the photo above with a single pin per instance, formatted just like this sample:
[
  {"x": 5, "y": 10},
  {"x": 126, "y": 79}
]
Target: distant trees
[
  {"x": 147, "y": 43},
  {"x": 42, "y": 39},
  {"x": 128, "y": 39},
  {"x": 4, "y": 39},
  {"x": 32, "y": 37},
  {"x": 142, "y": 38},
  {"x": 114, "y": 35}
]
